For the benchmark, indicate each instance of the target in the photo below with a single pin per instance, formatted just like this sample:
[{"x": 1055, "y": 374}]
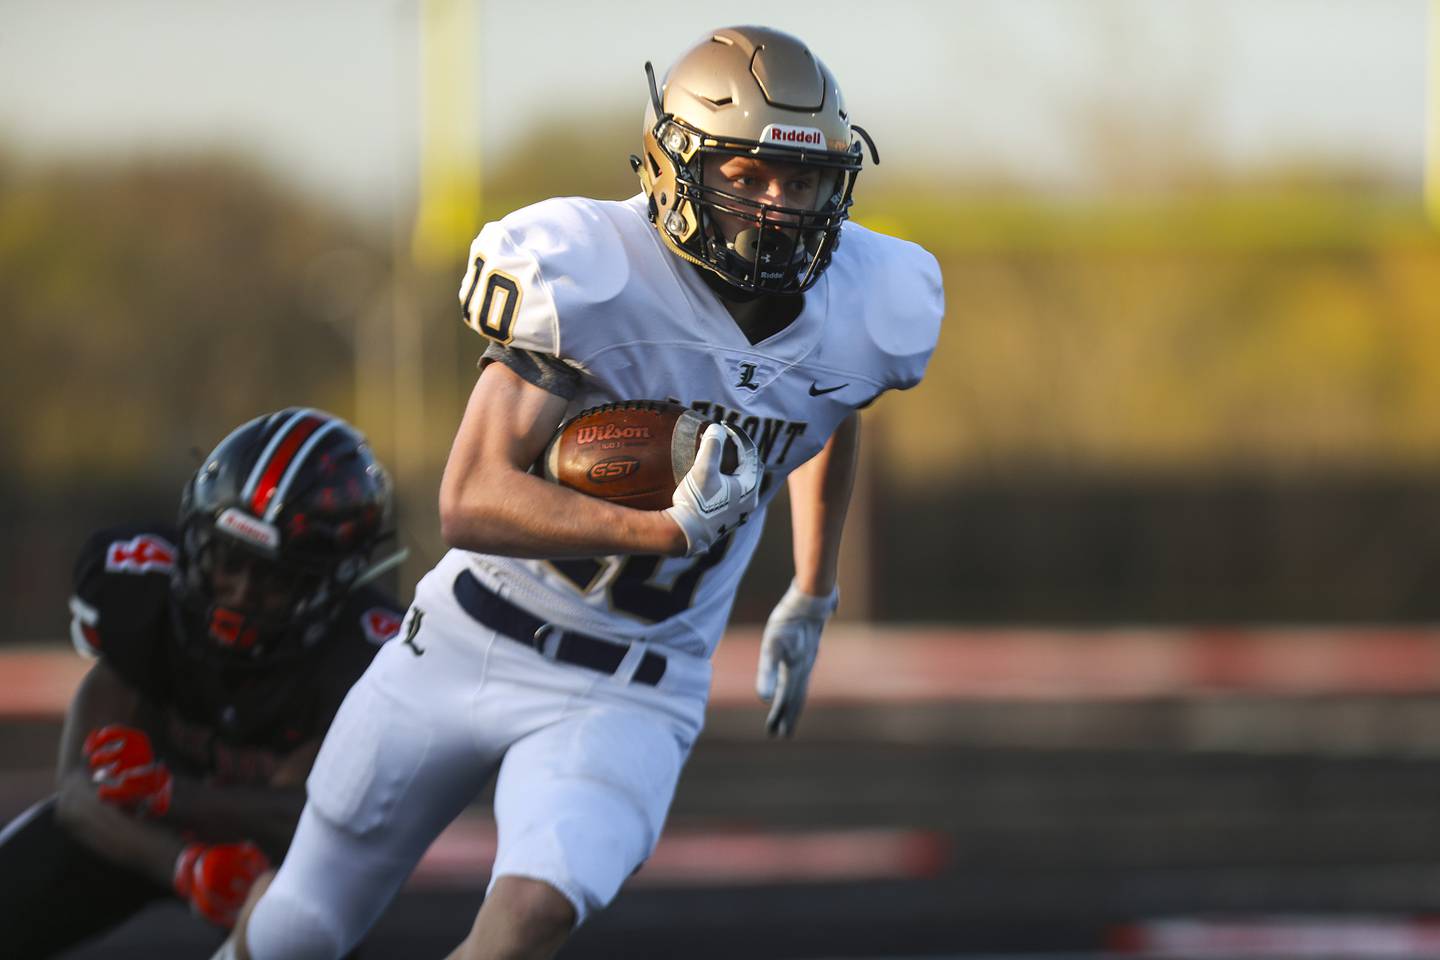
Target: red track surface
[
  {"x": 912, "y": 665},
  {"x": 1285, "y": 938},
  {"x": 462, "y": 855}
]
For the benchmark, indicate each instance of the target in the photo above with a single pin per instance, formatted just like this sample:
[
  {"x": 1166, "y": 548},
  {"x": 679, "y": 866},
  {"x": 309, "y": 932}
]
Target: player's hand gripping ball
[
  {"x": 711, "y": 502},
  {"x": 125, "y": 771},
  {"x": 634, "y": 453}
]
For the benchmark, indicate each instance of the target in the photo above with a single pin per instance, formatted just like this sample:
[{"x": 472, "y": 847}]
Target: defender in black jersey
[{"x": 223, "y": 648}]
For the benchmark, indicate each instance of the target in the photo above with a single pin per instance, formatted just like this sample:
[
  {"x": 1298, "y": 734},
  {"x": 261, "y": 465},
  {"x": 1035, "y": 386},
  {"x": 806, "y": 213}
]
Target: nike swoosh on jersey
[{"x": 817, "y": 391}]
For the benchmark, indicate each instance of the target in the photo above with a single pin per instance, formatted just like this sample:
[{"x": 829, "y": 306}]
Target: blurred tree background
[{"x": 1193, "y": 396}]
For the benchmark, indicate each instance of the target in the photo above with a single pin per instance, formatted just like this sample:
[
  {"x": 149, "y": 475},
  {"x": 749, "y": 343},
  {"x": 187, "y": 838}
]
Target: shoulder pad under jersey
[
  {"x": 120, "y": 605},
  {"x": 899, "y": 283},
  {"x": 534, "y": 276}
]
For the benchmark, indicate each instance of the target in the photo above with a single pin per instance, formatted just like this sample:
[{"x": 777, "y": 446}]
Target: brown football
[{"x": 633, "y": 453}]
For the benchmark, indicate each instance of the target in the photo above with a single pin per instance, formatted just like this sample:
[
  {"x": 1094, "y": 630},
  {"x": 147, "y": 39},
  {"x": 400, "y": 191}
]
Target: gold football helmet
[{"x": 750, "y": 92}]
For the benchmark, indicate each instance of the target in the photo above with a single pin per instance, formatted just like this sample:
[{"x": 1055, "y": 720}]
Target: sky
[{"x": 324, "y": 92}]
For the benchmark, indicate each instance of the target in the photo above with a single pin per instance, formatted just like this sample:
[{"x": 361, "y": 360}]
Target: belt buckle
[{"x": 547, "y": 640}]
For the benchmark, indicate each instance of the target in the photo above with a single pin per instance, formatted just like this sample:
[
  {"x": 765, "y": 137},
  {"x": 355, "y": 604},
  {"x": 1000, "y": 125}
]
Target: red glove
[
  {"x": 124, "y": 766},
  {"x": 215, "y": 880},
  {"x": 115, "y": 748}
]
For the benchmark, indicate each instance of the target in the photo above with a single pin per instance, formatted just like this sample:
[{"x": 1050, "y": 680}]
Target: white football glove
[
  {"x": 709, "y": 503},
  {"x": 788, "y": 649}
]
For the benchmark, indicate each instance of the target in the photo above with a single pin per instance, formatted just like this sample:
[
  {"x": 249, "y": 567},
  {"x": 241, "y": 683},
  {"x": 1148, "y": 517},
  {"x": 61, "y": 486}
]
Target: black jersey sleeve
[
  {"x": 121, "y": 601},
  {"x": 550, "y": 374}
]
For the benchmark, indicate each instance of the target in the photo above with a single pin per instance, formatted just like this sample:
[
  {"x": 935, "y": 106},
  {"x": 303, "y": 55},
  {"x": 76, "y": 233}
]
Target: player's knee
[
  {"x": 286, "y": 927},
  {"x": 536, "y": 912},
  {"x": 587, "y": 851}
]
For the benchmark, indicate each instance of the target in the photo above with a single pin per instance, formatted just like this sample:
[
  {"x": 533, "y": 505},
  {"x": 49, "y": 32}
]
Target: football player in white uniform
[{"x": 563, "y": 644}]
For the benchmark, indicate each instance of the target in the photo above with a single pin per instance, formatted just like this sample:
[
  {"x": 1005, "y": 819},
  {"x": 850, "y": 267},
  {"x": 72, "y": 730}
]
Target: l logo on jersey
[{"x": 747, "y": 377}]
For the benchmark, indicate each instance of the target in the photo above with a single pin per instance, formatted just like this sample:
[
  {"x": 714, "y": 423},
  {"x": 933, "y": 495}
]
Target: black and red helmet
[{"x": 293, "y": 504}]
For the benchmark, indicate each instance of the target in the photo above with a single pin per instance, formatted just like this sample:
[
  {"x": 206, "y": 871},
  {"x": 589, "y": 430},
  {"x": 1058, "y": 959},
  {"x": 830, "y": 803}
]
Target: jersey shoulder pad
[
  {"x": 121, "y": 594},
  {"x": 905, "y": 300},
  {"x": 535, "y": 277}
]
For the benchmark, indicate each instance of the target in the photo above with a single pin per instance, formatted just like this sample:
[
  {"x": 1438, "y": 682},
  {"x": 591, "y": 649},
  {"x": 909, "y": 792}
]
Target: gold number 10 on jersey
[{"x": 496, "y": 316}]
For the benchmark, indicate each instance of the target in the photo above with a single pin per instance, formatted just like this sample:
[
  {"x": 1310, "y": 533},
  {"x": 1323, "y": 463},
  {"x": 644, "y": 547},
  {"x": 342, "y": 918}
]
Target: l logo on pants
[{"x": 410, "y": 633}]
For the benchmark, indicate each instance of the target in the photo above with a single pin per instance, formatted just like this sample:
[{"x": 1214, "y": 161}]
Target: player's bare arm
[
  {"x": 101, "y": 699},
  {"x": 491, "y": 503},
  {"x": 819, "y": 499},
  {"x": 820, "y": 495},
  {"x": 104, "y": 699},
  {"x": 265, "y": 814},
  {"x": 148, "y": 849}
]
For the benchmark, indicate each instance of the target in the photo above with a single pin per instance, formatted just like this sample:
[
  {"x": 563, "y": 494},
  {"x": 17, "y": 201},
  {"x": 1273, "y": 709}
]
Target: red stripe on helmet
[{"x": 275, "y": 469}]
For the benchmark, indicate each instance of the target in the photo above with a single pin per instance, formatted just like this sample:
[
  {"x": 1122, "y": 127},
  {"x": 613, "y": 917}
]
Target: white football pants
[{"x": 587, "y": 767}]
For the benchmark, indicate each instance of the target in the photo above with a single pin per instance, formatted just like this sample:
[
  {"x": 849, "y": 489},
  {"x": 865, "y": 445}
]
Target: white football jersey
[{"x": 591, "y": 283}]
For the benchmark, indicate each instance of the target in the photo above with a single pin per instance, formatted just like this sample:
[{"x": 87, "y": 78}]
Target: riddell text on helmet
[
  {"x": 249, "y": 528},
  {"x": 796, "y": 136}
]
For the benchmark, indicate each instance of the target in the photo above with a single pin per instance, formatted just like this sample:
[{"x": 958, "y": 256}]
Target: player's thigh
[
  {"x": 55, "y": 893},
  {"x": 331, "y": 888},
  {"x": 402, "y": 757},
  {"x": 580, "y": 805},
  {"x": 399, "y": 763}
]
